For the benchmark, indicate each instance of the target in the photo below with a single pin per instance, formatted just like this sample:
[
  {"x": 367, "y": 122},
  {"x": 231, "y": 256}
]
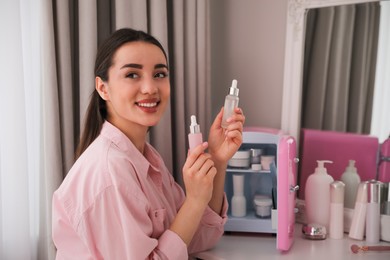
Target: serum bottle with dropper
[
  {"x": 231, "y": 102},
  {"x": 195, "y": 136}
]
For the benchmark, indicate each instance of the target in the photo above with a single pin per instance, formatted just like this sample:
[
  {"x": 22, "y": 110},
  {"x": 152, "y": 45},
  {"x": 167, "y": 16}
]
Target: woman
[{"x": 119, "y": 201}]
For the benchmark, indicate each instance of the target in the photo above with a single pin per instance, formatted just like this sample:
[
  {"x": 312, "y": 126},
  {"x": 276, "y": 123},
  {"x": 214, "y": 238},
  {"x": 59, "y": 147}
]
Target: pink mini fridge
[{"x": 276, "y": 182}]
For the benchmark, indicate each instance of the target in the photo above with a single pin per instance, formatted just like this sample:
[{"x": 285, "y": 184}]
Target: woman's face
[{"x": 137, "y": 91}]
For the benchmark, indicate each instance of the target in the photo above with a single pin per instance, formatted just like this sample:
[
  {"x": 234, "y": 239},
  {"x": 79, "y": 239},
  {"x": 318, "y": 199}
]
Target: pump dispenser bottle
[
  {"x": 231, "y": 102},
  {"x": 195, "y": 136},
  {"x": 351, "y": 180},
  {"x": 317, "y": 196},
  {"x": 238, "y": 199}
]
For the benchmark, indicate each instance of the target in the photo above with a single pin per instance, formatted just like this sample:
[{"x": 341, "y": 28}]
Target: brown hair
[{"x": 97, "y": 112}]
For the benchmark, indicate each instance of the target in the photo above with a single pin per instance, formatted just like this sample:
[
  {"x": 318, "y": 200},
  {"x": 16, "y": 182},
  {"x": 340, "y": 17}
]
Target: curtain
[
  {"x": 339, "y": 67},
  {"x": 380, "y": 124},
  {"x": 48, "y": 59}
]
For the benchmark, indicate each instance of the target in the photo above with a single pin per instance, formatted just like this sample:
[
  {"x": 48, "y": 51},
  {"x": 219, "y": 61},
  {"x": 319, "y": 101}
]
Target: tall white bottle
[
  {"x": 373, "y": 217},
  {"x": 238, "y": 199},
  {"x": 231, "y": 102},
  {"x": 336, "y": 213},
  {"x": 351, "y": 180},
  {"x": 317, "y": 196}
]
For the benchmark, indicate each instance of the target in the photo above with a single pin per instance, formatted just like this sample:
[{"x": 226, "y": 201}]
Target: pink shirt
[{"x": 116, "y": 203}]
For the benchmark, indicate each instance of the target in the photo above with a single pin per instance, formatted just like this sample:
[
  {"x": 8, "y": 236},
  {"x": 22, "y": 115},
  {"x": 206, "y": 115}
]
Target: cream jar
[
  {"x": 262, "y": 205},
  {"x": 241, "y": 159}
]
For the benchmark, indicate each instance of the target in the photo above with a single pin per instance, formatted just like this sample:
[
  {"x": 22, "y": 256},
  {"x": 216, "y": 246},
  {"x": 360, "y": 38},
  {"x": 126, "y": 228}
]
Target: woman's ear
[{"x": 101, "y": 88}]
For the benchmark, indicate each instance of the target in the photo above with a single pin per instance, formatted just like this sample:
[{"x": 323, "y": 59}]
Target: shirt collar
[{"x": 141, "y": 162}]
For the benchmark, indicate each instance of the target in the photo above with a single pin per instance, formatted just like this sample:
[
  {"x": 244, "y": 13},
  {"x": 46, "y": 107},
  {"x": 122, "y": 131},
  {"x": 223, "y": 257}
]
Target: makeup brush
[{"x": 356, "y": 249}]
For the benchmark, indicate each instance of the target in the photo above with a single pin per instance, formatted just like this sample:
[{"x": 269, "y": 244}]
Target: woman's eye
[
  {"x": 161, "y": 75},
  {"x": 132, "y": 75}
]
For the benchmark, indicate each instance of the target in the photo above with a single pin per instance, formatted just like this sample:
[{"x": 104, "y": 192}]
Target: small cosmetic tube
[
  {"x": 195, "y": 136},
  {"x": 336, "y": 219},
  {"x": 373, "y": 212},
  {"x": 359, "y": 215}
]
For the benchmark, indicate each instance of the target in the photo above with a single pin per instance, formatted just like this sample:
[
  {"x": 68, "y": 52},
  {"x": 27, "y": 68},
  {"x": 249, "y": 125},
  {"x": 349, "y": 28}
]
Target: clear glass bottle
[{"x": 231, "y": 102}]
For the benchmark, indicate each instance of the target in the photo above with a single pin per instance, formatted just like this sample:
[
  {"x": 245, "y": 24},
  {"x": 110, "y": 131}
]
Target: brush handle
[{"x": 377, "y": 248}]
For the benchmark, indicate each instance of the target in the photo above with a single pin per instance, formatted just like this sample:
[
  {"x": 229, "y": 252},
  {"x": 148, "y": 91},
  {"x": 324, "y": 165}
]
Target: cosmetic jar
[
  {"x": 314, "y": 231},
  {"x": 266, "y": 161},
  {"x": 262, "y": 206},
  {"x": 241, "y": 159}
]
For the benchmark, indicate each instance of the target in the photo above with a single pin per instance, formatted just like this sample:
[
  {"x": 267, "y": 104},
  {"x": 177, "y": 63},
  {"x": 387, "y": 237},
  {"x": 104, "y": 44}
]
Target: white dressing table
[{"x": 239, "y": 246}]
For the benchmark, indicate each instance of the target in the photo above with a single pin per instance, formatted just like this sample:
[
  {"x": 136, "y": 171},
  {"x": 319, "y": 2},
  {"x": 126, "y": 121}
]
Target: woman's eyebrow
[
  {"x": 160, "y": 65},
  {"x": 132, "y": 65},
  {"x": 139, "y": 66}
]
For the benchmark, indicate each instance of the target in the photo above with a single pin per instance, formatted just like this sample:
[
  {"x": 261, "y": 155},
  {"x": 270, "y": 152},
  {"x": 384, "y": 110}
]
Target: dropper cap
[
  {"x": 233, "y": 89},
  {"x": 194, "y": 127}
]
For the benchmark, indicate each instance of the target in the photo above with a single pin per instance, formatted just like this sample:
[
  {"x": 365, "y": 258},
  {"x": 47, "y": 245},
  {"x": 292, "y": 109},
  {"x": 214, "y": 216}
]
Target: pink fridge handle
[{"x": 384, "y": 163}]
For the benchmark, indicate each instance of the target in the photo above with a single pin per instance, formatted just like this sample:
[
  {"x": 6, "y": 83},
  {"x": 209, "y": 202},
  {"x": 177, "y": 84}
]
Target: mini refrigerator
[{"x": 278, "y": 183}]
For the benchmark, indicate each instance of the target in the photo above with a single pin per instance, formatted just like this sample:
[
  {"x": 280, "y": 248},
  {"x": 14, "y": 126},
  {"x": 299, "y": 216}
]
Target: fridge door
[{"x": 286, "y": 191}]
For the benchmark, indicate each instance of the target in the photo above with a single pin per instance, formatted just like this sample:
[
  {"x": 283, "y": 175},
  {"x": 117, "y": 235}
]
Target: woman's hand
[
  {"x": 198, "y": 176},
  {"x": 223, "y": 143}
]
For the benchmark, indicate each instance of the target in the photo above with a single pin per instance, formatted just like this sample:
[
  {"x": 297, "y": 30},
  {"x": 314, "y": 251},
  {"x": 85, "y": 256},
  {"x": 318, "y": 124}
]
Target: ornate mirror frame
[{"x": 293, "y": 64}]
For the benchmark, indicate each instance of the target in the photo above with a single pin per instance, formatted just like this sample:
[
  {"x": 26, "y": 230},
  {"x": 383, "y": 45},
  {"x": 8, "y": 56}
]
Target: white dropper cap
[
  {"x": 233, "y": 89},
  {"x": 351, "y": 166},
  {"x": 320, "y": 168},
  {"x": 194, "y": 127}
]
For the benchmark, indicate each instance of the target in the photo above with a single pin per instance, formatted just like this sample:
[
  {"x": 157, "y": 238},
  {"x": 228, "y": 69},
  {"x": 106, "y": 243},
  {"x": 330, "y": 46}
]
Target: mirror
[{"x": 294, "y": 59}]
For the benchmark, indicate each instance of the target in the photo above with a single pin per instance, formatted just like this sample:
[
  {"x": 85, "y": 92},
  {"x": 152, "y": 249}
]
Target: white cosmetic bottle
[
  {"x": 359, "y": 214},
  {"x": 351, "y": 180},
  {"x": 373, "y": 212},
  {"x": 336, "y": 219},
  {"x": 238, "y": 199},
  {"x": 231, "y": 102},
  {"x": 317, "y": 196},
  {"x": 195, "y": 136}
]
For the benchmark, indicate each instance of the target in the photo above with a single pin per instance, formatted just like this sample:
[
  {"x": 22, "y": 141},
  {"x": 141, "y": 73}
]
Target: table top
[{"x": 247, "y": 246}]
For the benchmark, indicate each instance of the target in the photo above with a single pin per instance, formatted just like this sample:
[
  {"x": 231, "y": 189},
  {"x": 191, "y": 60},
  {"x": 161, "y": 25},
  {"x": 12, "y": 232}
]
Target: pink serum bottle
[
  {"x": 231, "y": 102},
  {"x": 373, "y": 212},
  {"x": 195, "y": 136},
  {"x": 336, "y": 218}
]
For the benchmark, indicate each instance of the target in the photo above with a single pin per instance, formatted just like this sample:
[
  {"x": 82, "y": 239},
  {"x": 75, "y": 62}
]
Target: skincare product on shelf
[
  {"x": 317, "y": 195},
  {"x": 231, "y": 102},
  {"x": 255, "y": 155},
  {"x": 241, "y": 159},
  {"x": 266, "y": 161},
  {"x": 351, "y": 180},
  {"x": 373, "y": 212},
  {"x": 336, "y": 218},
  {"x": 195, "y": 136},
  {"x": 238, "y": 199},
  {"x": 262, "y": 205},
  {"x": 359, "y": 215}
]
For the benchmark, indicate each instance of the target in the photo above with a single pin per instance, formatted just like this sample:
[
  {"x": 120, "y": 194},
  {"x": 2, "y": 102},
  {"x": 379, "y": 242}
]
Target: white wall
[{"x": 248, "y": 39}]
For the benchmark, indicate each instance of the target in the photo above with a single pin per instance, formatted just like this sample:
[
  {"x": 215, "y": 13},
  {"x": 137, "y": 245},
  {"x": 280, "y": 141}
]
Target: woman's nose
[{"x": 149, "y": 86}]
